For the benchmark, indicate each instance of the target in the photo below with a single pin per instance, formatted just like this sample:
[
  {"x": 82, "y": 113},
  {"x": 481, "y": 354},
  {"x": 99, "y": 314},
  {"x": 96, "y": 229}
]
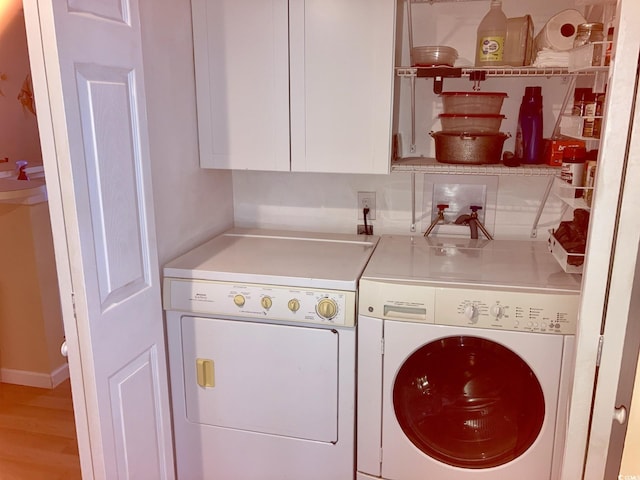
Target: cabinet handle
[{"x": 205, "y": 372}]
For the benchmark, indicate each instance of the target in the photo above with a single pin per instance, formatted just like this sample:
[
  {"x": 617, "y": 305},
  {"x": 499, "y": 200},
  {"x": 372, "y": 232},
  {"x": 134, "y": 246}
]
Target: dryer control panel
[{"x": 260, "y": 302}]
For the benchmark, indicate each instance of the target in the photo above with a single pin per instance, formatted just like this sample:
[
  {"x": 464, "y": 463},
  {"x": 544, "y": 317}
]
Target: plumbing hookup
[{"x": 471, "y": 220}]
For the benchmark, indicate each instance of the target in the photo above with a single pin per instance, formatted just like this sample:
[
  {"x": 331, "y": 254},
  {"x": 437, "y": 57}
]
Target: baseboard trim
[{"x": 35, "y": 379}]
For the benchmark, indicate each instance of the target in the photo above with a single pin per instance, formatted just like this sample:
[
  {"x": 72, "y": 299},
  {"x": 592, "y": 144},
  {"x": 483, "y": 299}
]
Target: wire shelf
[
  {"x": 431, "y": 165},
  {"x": 443, "y": 1},
  {"x": 495, "y": 71}
]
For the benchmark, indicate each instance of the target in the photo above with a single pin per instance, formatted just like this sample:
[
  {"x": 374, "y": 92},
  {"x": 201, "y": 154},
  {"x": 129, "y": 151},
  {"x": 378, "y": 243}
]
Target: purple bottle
[{"x": 528, "y": 147}]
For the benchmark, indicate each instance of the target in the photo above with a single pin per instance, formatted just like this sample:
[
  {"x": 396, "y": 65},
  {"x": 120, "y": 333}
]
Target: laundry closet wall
[{"x": 327, "y": 202}]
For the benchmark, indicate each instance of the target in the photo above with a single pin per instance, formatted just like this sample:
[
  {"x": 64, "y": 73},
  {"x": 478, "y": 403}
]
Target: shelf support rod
[
  {"x": 410, "y": 31},
  {"x": 563, "y": 108},
  {"x": 543, "y": 201},
  {"x": 412, "y": 146},
  {"x": 413, "y": 202}
]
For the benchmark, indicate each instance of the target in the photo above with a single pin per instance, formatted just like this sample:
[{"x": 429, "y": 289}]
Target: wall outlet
[{"x": 367, "y": 200}]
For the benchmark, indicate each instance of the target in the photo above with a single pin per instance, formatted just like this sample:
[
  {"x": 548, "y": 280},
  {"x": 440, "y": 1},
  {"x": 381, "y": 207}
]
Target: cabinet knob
[
  {"x": 620, "y": 414},
  {"x": 64, "y": 350}
]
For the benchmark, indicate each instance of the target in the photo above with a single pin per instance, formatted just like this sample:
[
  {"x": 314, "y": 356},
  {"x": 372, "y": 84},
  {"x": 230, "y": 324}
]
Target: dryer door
[
  {"x": 468, "y": 402},
  {"x": 273, "y": 379}
]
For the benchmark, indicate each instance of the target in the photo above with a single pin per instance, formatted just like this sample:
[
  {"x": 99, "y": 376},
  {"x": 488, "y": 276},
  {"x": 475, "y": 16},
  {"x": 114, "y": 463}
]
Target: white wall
[
  {"x": 31, "y": 329},
  {"x": 18, "y": 127},
  {"x": 328, "y": 202},
  {"x": 191, "y": 204}
]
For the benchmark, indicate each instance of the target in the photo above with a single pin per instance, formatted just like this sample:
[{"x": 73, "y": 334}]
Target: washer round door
[{"x": 468, "y": 402}]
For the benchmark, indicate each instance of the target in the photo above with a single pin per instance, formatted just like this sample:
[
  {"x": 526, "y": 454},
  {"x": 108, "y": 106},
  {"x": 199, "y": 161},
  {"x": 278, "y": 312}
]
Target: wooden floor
[{"x": 37, "y": 434}]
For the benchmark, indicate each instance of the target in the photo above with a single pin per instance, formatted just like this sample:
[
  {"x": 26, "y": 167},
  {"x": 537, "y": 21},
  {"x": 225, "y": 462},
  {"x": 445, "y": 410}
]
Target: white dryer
[
  {"x": 464, "y": 360},
  {"x": 261, "y": 332}
]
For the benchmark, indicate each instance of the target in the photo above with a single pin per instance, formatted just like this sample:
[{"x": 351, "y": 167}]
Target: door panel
[
  {"x": 602, "y": 248},
  {"x": 274, "y": 379},
  {"x": 341, "y": 85},
  {"x": 138, "y": 445},
  {"x": 111, "y": 10},
  {"x": 242, "y": 83},
  {"x": 120, "y": 250},
  {"x": 89, "y": 89}
]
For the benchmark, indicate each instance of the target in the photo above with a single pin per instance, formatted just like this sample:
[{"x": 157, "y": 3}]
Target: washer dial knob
[
  {"x": 266, "y": 302},
  {"x": 471, "y": 312},
  {"x": 327, "y": 308},
  {"x": 294, "y": 305},
  {"x": 496, "y": 310},
  {"x": 239, "y": 300}
]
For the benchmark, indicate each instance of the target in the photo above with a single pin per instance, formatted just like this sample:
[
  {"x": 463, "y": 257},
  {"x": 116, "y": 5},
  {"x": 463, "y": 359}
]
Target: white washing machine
[
  {"x": 261, "y": 333},
  {"x": 464, "y": 360}
]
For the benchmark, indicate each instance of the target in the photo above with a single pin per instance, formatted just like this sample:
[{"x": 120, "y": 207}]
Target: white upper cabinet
[
  {"x": 298, "y": 85},
  {"x": 241, "y": 52}
]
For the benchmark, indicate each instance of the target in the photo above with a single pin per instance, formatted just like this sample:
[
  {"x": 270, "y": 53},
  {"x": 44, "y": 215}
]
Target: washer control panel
[
  {"x": 526, "y": 310},
  {"x": 531, "y": 312},
  {"x": 263, "y": 302}
]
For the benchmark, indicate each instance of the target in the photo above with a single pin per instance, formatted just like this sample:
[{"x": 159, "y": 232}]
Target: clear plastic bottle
[
  {"x": 591, "y": 33},
  {"x": 492, "y": 33}
]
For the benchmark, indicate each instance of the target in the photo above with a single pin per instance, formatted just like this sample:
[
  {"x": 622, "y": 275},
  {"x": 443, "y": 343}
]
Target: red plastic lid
[
  {"x": 500, "y": 94},
  {"x": 471, "y": 115}
]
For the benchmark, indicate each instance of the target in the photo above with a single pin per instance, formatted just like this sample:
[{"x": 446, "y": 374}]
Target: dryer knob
[
  {"x": 239, "y": 300},
  {"x": 294, "y": 305},
  {"x": 266, "y": 302},
  {"x": 327, "y": 308}
]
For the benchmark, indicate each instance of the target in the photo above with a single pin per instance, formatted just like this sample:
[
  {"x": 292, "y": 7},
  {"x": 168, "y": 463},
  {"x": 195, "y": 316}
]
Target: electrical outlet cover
[{"x": 367, "y": 199}]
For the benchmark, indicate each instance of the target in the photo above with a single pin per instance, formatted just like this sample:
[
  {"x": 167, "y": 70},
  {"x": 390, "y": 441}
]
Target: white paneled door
[
  {"x": 607, "y": 337},
  {"x": 86, "y": 64},
  {"x": 621, "y": 330}
]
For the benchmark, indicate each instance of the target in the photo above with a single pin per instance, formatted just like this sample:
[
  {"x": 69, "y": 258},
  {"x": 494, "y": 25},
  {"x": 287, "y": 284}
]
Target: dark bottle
[
  {"x": 528, "y": 148},
  {"x": 579, "y": 99},
  {"x": 609, "y": 46}
]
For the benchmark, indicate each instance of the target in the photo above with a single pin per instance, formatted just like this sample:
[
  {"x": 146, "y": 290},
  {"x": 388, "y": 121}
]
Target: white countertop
[
  {"x": 278, "y": 257},
  {"x": 505, "y": 264},
  {"x": 23, "y": 192}
]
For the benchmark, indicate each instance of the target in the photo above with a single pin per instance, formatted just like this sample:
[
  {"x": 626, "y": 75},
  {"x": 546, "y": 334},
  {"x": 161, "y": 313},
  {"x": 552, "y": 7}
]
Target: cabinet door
[
  {"x": 341, "y": 55},
  {"x": 242, "y": 83}
]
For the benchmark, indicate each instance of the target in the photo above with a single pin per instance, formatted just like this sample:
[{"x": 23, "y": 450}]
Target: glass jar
[
  {"x": 572, "y": 172},
  {"x": 589, "y": 114},
  {"x": 591, "y": 33}
]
